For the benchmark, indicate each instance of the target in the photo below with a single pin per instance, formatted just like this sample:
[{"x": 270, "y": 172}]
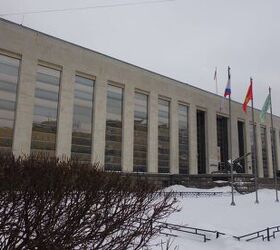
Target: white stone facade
[{"x": 32, "y": 47}]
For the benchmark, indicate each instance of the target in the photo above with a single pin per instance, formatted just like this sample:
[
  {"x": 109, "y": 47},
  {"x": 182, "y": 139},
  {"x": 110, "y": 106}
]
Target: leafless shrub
[
  {"x": 168, "y": 244},
  {"x": 49, "y": 204}
]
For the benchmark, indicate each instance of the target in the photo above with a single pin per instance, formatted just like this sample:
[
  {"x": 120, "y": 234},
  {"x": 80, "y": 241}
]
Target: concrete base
[{"x": 242, "y": 181}]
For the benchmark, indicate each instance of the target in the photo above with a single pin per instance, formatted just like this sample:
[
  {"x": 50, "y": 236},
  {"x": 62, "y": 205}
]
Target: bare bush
[{"x": 48, "y": 204}]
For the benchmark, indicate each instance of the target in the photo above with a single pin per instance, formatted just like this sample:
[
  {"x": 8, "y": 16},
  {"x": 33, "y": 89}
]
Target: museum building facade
[{"x": 64, "y": 100}]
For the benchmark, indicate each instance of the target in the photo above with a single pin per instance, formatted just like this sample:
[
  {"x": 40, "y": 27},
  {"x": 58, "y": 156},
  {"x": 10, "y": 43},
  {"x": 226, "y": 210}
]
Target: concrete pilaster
[
  {"x": 25, "y": 104},
  {"x": 99, "y": 120},
  {"x": 211, "y": 128},
  {"x": 128, "y": 129},
  {"x": 174, "y": 140},
  {"x": 153, "y": 133},
  {"x": 259, "y": 150},
  {"x": 65, "y": 114},
  {"x": 193, "y": 140}
]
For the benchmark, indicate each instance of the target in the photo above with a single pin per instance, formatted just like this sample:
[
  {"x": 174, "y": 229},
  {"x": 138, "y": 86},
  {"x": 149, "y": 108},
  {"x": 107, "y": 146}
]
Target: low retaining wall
[{"x": 205, "y": 180}]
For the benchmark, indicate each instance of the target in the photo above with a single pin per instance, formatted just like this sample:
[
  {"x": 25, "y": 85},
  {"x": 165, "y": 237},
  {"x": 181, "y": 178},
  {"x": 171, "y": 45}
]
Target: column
[
  {"x": 174, "y": 140},
  {"x": 153, "y": 133},
  {"x": 25, "y": 104},
  {"x": 128, "y": 129},
  {"x": 193, "y": 139},
  {"x": 99, "y": 120},
  {"x": 65, "y": 118}
]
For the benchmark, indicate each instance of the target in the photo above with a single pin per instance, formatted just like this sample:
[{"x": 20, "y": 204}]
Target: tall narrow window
[
  {"x": 264, "y": 151},
  {"x": 252, "y": 147},
  {"x": 9, "y": 70},
  {"x": 201, "y": 142},
  {"x": 113, "y": 148},
  {"x": 45, "y": 111},
  {"x": 241, "y": 146},
  {"x": 140, "y": 133},
  {"x": 163, "y": 136},
  {"x": 183, "y": 139},
  {"x": 222, "y": 140},
  {"x": 82, "y": 119}
]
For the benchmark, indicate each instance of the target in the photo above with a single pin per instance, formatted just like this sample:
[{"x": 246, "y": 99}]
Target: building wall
[{"x": 33, "y": 47}]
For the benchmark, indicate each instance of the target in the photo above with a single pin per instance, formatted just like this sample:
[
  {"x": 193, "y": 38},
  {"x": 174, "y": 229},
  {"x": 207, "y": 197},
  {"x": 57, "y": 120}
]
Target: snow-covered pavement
[{"x": 216, "y": 213}]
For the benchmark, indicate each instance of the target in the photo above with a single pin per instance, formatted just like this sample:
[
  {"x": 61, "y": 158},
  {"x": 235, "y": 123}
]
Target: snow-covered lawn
[{"x": 216, "y": 213}]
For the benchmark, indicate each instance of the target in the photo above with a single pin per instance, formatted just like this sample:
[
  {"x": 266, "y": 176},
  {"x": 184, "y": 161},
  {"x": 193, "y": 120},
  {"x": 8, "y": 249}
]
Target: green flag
[{"x": 265, "y": 107}]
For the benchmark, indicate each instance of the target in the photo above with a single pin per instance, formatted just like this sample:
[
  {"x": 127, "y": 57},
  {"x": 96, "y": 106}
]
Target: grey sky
[{"x": 183, "y": 39}]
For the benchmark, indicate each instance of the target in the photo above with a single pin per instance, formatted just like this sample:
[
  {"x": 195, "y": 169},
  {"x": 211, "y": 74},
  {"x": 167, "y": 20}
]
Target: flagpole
[
  {"x": 230, "y": 151},
  {"x": 216, "y": 78},
  {"x": 255, "y": 148},
  {"x": 230, "y": 146},
  {"x": 273, "y": 149}
]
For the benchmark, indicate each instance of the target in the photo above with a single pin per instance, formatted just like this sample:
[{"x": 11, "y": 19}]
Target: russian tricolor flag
[{"x": 228, "y": 87}]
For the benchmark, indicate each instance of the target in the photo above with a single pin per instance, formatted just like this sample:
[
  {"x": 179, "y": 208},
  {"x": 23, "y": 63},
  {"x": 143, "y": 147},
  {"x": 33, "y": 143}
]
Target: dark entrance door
[
  {"x": 201, "y": 148},
  {"x": 241, "y": 146},
  {"x": 222, "y": 141}
]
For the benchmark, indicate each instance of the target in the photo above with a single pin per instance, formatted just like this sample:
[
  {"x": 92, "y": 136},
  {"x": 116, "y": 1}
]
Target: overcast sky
[{"x": 182, "y": 39}]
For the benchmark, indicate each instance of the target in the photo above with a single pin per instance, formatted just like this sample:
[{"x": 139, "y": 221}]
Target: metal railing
[
  {"x": 190, "y": 230},
  {"x": 265, "y": 234},
  {"x": 174, "y": 229},
  {"x": 193, "y": 194}
]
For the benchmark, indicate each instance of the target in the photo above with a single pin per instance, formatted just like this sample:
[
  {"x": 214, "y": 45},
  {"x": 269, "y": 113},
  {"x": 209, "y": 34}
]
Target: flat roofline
[{"x": 119, "y": 60}]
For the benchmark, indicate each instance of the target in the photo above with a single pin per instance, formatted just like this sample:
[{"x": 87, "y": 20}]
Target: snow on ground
[{"x": 216, "y": 213}]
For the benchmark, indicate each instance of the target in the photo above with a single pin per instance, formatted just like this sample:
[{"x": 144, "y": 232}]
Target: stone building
[{"x": 65, "y": 100}]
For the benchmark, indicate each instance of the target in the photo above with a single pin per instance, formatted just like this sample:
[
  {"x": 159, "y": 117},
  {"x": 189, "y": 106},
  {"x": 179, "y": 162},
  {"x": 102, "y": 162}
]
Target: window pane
[
  {"x": 82, "y": 119},
  {"x": 84, "y": 81},
  {"x": 183, "y": 139},
  {"x": 163, "y": 136},
  {"x": 48, "y": 76},
  {"x": 7, "y": 86},
  {"x": 7, "y": 105},
  {"x": 49, "y": 113},
  {"x": 45, "y": 94},
  {"x": 113, "y": 148},
  {"x": 45, "y": 111},
  {"x": 140, "y": 132},
  {"x": 83, "y": 95},
  {"x": 9, "y": 70}
]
